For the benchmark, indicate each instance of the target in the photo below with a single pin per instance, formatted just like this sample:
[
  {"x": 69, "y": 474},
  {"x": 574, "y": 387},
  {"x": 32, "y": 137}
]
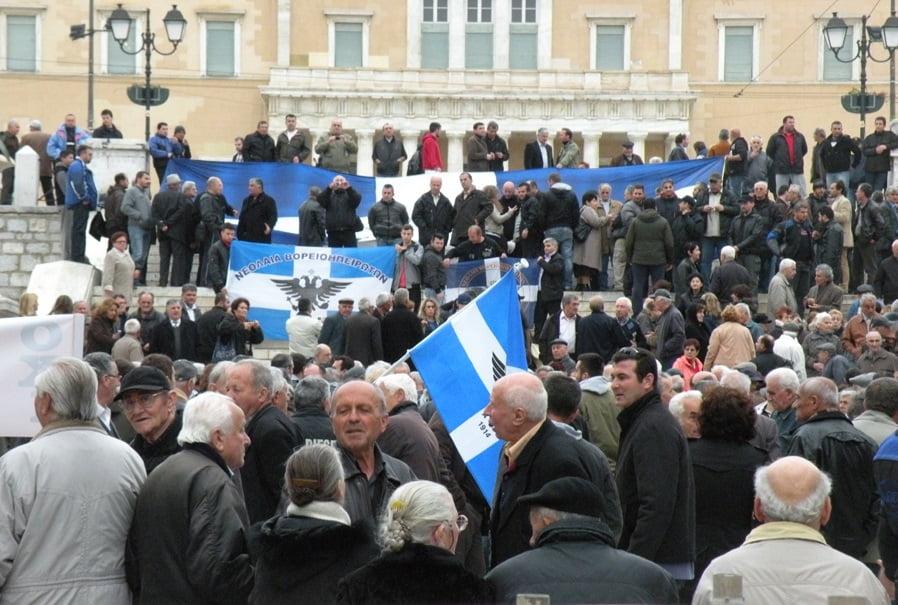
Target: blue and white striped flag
[{"x": 461, "y": 361}]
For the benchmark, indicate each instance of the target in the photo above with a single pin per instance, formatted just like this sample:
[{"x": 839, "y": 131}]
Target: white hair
[
  {"x": 278, "y": 382},
  {"x": 736, "y": 380},
  {"x": 391, "y": 383},
  {"x": 786, "y": 378},
  {"x": 534, "y": 401},
  {"x": 806, "y": 512},
  {"x": 727, "y": 253},
  {"x": 71, "y": 385},
  {"x": 132, "y": 326},
  {"x": 676, "y": 402},
  {"x": 376, "y": 370},
  {"x": 219, "y": 373},
  {"x": 819, "y": 318},
  {"x": 203, "y": 415},
  {"x": 626, "y": 301},
  {"x": 413, "y": 511},
  {"x": 786, "y": 263}
]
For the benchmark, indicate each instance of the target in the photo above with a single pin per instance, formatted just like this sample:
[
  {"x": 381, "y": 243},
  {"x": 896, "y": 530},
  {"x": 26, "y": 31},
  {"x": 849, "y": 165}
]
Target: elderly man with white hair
[
  {"x": 67, "y": 499},
  {"x": 828, "y": 438},
  {"x": 792, "y": 503},
  {"x": 782, "y": 391},
  {"x": 780, "y": 292},
  {"x": 685, "y": 408},
  {"x": 407, "y": 435},
  {"x": 188, "y": 541},
  {"x": 128, "y": 347},
  {"x": 728, "y": 274}
]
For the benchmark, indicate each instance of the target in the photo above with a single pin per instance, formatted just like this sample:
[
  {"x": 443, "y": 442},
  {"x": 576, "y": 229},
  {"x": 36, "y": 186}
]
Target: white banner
[{"x": 29, "y": 345}]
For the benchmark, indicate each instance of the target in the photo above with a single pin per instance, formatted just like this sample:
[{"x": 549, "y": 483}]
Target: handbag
[
  {"x": 223, "y": 351},
  {"x": 97, "y": 227},
  {"x": 582, "y": 231}
]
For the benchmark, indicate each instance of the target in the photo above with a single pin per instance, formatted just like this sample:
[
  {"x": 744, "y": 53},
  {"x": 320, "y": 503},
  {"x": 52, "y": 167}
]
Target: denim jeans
[
  {"x": 80, "y": 214},
  {"x": 641, "y": 276},
  {"x": 711, "y": 247},
  {"x": 565, "y": 238},
  {"x": 140, "y": 249}
]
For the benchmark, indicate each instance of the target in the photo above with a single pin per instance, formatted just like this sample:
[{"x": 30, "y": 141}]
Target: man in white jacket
[{"x": 67, "y": 499}]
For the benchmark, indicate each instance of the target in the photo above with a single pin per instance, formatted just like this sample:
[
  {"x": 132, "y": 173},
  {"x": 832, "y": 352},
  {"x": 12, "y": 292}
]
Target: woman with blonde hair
[
  {"x": 302, "y": 554},
  {"x": 429, "y": 314},
  {"x": 731, "y": 342},
  {"x": 28, "y": 305},
  {"x": 712, "y": 309},
  {"x": 492, "y": 224},
  {"x": 419, "y": 531}
]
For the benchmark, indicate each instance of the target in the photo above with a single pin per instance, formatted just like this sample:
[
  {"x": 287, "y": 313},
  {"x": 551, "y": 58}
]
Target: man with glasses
[
  {"x": 654, "y": 475},
  {"x": 535, "y": 452},
  {"x": 149, "y": 403}
]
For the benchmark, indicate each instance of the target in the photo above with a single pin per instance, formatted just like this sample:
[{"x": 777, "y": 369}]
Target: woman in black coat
[
  {"x": 697, "y": 328},
  {"x": 301, "y": 555},
  {"x": 419, "y": 531},
  {"x": 237, "y": 328},
  {"x": 723, "y": 468}
]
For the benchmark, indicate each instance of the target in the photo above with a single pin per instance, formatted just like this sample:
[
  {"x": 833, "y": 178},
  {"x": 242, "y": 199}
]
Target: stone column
[
  {"x": 455, "y": 154},
  {"x": 365, "y": 141},
  {"x": 27, "y": 173},
  {"x": 638, "y": 140},
  {"x": 591, "y": 145},
  {"x": 284, "y": 34}
]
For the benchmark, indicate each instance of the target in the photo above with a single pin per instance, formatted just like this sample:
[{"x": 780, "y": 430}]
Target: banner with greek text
[{"x": 273, "y": 278}]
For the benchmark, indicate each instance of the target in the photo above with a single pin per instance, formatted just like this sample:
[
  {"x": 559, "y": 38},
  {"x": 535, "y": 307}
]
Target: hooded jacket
[{"x": 599, "y": 409}]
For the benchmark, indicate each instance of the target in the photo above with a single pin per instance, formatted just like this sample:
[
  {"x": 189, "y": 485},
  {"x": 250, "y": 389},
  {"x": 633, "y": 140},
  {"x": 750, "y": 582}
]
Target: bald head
[
  {"x": 792, "y": 489},
  {"x": 518, "y": 402}
]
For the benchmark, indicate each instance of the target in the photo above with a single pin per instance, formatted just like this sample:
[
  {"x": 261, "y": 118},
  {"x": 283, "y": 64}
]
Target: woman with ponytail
[
  {"x": 419, "y": 532},
  {"x": 302, "y": 554}
]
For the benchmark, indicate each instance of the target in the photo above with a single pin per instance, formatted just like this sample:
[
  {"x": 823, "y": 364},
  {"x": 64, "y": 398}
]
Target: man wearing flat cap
[
  {"x": 149, "y": 404},
  {"x": 561, "y": 359},
  {"x": 626, "y": 157},
  {"x": 332, "y": 328},
  {"x": 574, "y": 558}
]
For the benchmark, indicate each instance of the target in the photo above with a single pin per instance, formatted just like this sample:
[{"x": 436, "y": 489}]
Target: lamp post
[
  {"x": 76, "y": 32},
  {"x": 836, "y": 32},
  {"x": 120, "y": 25}
]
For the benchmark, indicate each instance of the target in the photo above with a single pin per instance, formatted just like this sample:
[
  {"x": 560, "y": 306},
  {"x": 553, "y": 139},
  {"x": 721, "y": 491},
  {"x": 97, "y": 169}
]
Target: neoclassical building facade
[{"x": 642, "y": 71}]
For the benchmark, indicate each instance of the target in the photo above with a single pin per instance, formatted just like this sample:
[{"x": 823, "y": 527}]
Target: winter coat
[
  {"x": 301, "y": 559},
  {"x": 589, "y": 253},
  {"x": 188, "y": 543},
  {"x": 255, "y": 214},
  {"x": 599, "y": 409},
  {"x": 341, "y": 206},
  {"x": 835, "y": 446},
  {"x": 650, "y": 240},
  {"x": 778, "y": 150},
  {"x": 416, "y": 574},
  {"x": 61, "y": 543},
  {"x": 386, "y": 219},
  {"x": 654, "y": 481},
  {"x": 575, "y": 561}
]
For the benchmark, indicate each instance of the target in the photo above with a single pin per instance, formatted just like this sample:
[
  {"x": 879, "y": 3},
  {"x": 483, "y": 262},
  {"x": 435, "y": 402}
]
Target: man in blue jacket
[{"x": 80, "y": 199}]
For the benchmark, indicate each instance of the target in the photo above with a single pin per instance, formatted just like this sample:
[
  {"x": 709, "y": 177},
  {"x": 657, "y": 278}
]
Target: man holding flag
[{"x": 486, "y": 341}]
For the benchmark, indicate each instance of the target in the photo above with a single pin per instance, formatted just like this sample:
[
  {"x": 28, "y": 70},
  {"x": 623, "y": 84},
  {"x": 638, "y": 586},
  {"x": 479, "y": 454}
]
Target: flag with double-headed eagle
[{"x": 273, "y": 278}]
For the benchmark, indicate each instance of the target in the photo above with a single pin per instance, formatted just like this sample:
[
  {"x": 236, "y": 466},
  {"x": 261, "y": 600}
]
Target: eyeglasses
[
  {"x": 461, "y": 522},
  {"x": 144, "y": 401}
]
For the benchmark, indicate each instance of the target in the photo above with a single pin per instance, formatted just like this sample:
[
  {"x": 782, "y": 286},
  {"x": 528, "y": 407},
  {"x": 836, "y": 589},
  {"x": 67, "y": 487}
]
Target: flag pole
[{"x": 515, "y": 268}]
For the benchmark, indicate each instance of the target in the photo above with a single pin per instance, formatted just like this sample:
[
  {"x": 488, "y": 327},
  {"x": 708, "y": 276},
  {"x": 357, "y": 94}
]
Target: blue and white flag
[
  {"x": 484, "y": 273},
  {"x": 273, "y": 278},
  {"x": 461, "y": 361}
]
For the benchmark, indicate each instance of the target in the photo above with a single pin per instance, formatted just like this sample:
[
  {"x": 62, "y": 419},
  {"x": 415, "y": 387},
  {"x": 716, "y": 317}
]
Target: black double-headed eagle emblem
[{"x": 317, "y": 289}]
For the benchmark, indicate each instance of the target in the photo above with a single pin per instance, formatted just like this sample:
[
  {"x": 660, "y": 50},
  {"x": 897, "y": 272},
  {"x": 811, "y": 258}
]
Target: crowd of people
[{"x": 693, "y": 432}]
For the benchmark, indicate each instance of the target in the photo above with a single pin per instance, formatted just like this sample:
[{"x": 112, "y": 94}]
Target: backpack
[{"x": 415, "y": 164}]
